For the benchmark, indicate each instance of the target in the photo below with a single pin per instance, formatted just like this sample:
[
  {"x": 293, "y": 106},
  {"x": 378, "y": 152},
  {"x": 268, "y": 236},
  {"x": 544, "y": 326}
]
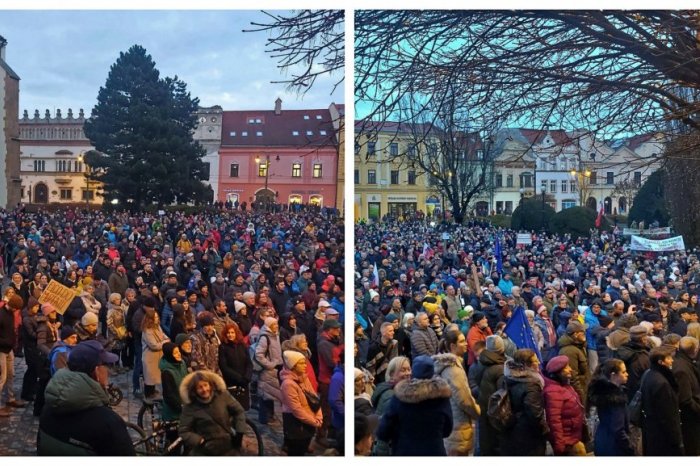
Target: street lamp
[
  {"x": 522, "y": 194},
  {"x": 258, "y": 160},
  {"x": 81, "y": 159},
  {"x": 543, "y": 190}
]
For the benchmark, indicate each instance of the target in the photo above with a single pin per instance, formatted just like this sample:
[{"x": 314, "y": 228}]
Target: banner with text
[
  {"x": 524, "y": 238},
  {"x": 58, "y": 295},
  {"x": 657, "y": 245},
  {"x": 649, "y": 232}
]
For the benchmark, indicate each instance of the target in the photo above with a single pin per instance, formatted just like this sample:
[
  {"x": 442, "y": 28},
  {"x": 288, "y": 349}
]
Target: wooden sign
[{"x": 58, "y": 295}]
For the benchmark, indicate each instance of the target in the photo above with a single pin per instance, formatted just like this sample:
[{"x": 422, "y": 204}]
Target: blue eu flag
[
  {"x": 499, "y": 256},
  {"x": 519, "y": 331}
]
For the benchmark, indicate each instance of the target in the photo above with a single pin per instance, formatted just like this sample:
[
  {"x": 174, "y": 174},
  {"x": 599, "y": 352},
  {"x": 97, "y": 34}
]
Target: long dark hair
[{"x": 449, "y": 338}]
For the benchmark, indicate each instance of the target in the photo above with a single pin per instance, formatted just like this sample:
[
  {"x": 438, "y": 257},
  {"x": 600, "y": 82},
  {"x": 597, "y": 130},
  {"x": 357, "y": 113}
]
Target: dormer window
[
  {"x": 322, "y": 132},
  {"x": 309, "y": 133},
  {"x": 244, "y": 133},
  {"x": 258, "y": 133},
  {"x": 295, "y": 133},
  {"x": 318, "y": 117},
  {"x": 232, "y": 134},
  {"x": 306, "y": 117}
]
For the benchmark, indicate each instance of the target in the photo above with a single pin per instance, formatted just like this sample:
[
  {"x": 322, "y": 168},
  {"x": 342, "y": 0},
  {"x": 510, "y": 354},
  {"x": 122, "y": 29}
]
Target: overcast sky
[{"x": 63, "y": 57}]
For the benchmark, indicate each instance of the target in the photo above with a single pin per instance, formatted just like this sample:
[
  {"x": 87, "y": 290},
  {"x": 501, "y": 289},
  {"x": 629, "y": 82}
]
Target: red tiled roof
[
  {"x": 636, "y": 141},
  {"x": 278, "y": 130}
]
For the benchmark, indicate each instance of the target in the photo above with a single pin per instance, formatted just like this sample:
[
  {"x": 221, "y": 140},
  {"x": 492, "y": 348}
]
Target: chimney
[
  {"x": 3, "y": 43},
  {"x": 278, "y": 106}
]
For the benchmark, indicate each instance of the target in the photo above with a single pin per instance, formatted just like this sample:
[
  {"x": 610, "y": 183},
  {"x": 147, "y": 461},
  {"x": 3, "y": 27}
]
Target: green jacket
[{"x": 172, "y": 376}]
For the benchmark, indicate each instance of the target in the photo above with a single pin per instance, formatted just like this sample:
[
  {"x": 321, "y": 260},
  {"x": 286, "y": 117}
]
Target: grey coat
[{"x": 270, "y": 358}]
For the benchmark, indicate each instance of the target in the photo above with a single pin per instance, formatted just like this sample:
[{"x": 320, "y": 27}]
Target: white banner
[
  {"x": 661, "y": 245},
  {"x": 524, "y": 238},
  {"x": 649, "y": 232}
]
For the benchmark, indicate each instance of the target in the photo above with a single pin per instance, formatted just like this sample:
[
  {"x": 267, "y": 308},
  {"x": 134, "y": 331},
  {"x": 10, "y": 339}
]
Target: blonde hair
[
  {"x": 395, "y": 366},
  {"x": 693, "y": 330},
  {"x": 113, "y": 297}
]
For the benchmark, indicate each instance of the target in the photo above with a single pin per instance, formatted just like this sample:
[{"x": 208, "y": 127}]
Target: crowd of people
[
  {"x": 605, "y": 361},
  {"x": 215, "y": 313}
]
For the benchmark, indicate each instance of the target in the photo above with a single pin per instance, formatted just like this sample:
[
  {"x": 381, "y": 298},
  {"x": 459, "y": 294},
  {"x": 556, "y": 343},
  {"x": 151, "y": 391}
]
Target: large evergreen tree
[{"x": 142, "y": 130}]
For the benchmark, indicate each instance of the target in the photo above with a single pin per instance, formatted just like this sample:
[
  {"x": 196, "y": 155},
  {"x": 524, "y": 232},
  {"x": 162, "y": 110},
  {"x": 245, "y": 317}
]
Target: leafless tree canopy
[
  {"x": 611, "y": 72},
  {"x": 306, "y": 44}
]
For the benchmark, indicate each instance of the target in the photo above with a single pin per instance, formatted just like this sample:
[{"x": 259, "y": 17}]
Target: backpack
[
  {"x": 500, "y": 411},
  {"x": 251, "y": 351},
  {"x": 53, "y": 355}
]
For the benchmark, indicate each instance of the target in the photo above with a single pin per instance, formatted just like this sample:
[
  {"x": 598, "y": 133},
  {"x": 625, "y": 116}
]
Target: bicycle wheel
[
  {"x": 148, "y": 416},
  {"x": 252, "y": 444},
  {"x": 115, "y": 395},
  {"x": 139, "y": 440}
]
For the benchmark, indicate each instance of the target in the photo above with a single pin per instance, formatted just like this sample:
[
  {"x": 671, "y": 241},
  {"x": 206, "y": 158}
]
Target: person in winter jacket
[
  {"x": 422, "y": 401},
  {"x": 661, "y": 421},
  {"x": 31, "y": 318},
  {"x": 573, "y": 346},
  {"x": 528, "y": 437},
  {"x": 173, "y": 371},
  {"x": 688, "y": 377},
  {"x": 399, "y": 369},
  {"x": 549, "y": 333},
  {"x": 205, "y": 344},
  {"x": 465, "y": 409},
  {"x": 564, "y": 409},
  {"x": 268, "y": 354},
  {"x": 300, "y": 418},
  {"x": 7, "y": 363},
  {"x": 635, "y": 355},
  {"x": 329, "y": 346},
  {"x": 489, "y": 377},
  {"x": 300, "y": 343},
  {"x": 336, "y": 398},
  {"x": 424, "y": 342},
  {"x": 479, "y": 331},
  {"x": 235, "y": 364},
  {"x": 212, "y": 421},
  {"x": 152, "y": 340},
  {"x": 77, "y": 419},
  {"x": 606, "y": 392}
]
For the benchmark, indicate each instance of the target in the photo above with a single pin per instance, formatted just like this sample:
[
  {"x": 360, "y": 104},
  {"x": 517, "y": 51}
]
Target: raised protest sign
[
  {"x": 524, "y": 238},
  {"x": 657, "y": 245},
  {"x": 58, "y": 295},
  {"x": 649, "y": 232}
]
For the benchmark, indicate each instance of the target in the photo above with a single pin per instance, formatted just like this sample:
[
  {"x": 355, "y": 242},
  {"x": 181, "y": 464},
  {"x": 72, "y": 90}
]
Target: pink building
[{"x": 290, "y": 156}]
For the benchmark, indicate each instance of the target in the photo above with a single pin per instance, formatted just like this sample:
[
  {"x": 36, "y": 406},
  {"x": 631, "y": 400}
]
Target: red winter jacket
[{"x": 564, "y": 415}]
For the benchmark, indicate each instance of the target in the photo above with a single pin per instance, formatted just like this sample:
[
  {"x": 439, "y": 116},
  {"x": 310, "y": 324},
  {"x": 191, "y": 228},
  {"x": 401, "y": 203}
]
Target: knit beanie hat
[
  {"x": 423, "y": 367},
  {"x": 181, "y": 338},
  {"x": 269, "y": 321},
  {"x": 495, "y": 343},
  {"x": 638, "y": 331},
  {"x": 292, "y": 358},
  {"x": 67, "y": 332}
]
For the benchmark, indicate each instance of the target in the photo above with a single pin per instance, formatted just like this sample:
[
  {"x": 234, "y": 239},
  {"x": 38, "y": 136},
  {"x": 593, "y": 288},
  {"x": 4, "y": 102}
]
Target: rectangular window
[
  {"x": 411, "y": 177},
  {"x": 553, "y": 186},
  {"x": 568, "y": 204},
  {"x": 309, "y": 133},
  {"x": 251, "y": 121},
  {"x": 357, "y": 176},
  {"x": 318, "y": 117},
  {"x": 66, "y": 194},
  {"x": 499, "y": 207},
  {"x": 411, "y": 152},
  {"x": 234, "y": 170},
  {"x": 499, "y": 180},
  {"x": 610, "y": 178},
  {"x": 509, "y": 207},
  {"x": 480, "y": 154},
  {"x": 572, "y": 185},
  {"x": 262, "y": 170},
  {"x": 244, "y": 133},
  {"x": 594, "y": 178},
  {"x": 394, "y": 149},
  {"x": 258, "y": 133},
  {"x": 394, "y": 177},
  {"x": 78, "y": 167},
  {"x": 543, "y": 185},
  {"x": 296, "y": 170},
  {"x": 205, "y": 171},
  {"x": 637, "y": 179},
  {"x": 509, "y": 181},
  {"x": 371, "y": 148},
  {"x": 232, "y": 134},
  {"x": 258, "y": 120},
  {"x": 432, "y": 149},
  {"x": 564, "y": 186},
  {"x": 323, "y": 132},
  {"x": 295, "y": 133},
  {"x": 306, "y": 117},
  {"x": 88, "y": 195},
  {"x": 40, "y": 165},
  {"x": 371, "y": 177},
  {"x": 318, "y": 170}
]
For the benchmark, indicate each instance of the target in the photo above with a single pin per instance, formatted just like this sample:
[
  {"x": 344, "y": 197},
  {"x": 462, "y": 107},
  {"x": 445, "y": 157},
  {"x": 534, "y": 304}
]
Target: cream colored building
[
  {"x": 385, "y": 185},
  {"x": 51, "y": 165}
]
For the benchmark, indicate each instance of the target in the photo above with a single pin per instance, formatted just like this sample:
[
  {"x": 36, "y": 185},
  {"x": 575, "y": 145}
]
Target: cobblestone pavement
[{"x": 18, "y": 431}]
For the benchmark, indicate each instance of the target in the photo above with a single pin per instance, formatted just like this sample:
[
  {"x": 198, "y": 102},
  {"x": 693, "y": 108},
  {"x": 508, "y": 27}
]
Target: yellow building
[{"x": 385, "y": 184}]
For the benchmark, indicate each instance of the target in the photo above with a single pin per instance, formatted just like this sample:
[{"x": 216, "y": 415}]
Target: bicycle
[
  {"x": 114, "y": 394},
  {"x": 155, "y": 431}
]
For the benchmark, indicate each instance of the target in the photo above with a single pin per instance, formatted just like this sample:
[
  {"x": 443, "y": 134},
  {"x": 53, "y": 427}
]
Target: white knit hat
[{"x": 292, "y": 358}]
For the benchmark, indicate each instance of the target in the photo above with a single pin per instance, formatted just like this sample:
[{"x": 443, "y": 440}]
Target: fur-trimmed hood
[
  {"x": 417, "y": 390},
  {"x": 445, "y": 360},
  {"x": 519, "y": 373},
  {"x": 617, "y": 338},
  {"x": 214, "y": 379},
  {"x": 604, "y": 394}
]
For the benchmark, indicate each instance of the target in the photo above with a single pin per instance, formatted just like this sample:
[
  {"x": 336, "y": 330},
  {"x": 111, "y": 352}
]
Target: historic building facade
[
  {"x": 10, "y": 182},
  {"x": 52, "y": 166},
  {"x": 282, "y": 156}
]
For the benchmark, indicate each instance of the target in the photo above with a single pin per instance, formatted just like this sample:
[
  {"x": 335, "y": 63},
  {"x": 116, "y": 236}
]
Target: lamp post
[
  {"x": 543, "y": 190},
  {"x": 81, "y": 159},
  {"x": 259, "y": 161},
  {"x": 579, "y": 175},
  {"x": 522, "y": 195}
]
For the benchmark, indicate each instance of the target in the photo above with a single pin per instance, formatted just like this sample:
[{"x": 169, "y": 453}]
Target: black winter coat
[
  {"x": 237, "y": 370},
  {"x": 612, "y": 437},
  {"x": 636, "y": 358},
  {"x": 661, "y": 424},
  {"x": 688, "y": 377},
  {"x": 7, "y": 330},
  {"x": 418, "y": 418},
  {"x": 528, "y": 437},
  {"x": 489, "y": 377}
]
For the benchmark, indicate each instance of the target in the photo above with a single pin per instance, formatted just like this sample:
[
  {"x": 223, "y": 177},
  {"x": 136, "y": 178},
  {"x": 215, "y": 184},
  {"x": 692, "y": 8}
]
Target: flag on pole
[
  {"x": 519, "y": 331},
  {"x": 499, "y": 256},
  {"x": 375, "y": 276},
  {"x": 599, "y": 219}
]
